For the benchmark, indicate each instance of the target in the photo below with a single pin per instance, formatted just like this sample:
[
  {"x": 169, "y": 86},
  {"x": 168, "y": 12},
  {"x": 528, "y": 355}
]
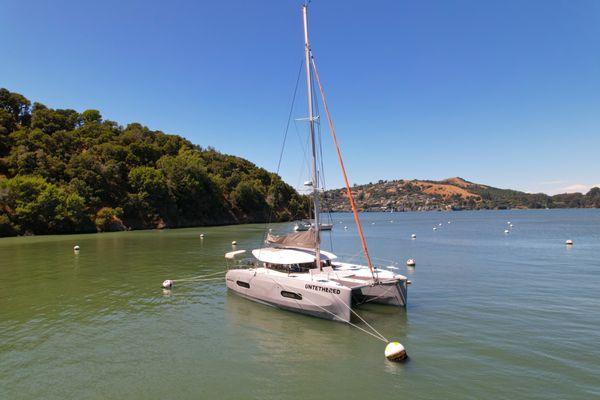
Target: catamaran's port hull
[
  {"x": 317, "y": 299},
  {"x": 312, "y": 313}
]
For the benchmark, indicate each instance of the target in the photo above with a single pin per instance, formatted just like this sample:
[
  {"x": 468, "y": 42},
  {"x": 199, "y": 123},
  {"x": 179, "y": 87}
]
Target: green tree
[
  {"x": 196, "y": 196},
  {"x": 248, "y": 197},
  {"x": 16, "y": 108},
  {"x": 50, "y": 121},
  {"x": 91, "y": 116},
  {"x": 108, "y": 219},
  {"x": 592, "y": 198},
  {"x": 35, "y": 206}
]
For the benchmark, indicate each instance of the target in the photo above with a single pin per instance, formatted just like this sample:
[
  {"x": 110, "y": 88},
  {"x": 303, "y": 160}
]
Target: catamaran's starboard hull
[
  {"x": 391, "y": 293},
  {"x": 312, "y": 298}
]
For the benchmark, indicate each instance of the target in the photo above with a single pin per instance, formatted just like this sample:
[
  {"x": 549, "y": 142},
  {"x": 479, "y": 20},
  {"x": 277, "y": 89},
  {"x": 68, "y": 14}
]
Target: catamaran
[{"x": 292, "y": 272}]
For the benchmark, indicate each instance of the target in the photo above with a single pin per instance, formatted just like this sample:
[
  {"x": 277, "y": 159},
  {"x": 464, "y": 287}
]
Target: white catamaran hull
[
  {"x": 391, "y": 289},
  {"x": 320, "y": 297}
]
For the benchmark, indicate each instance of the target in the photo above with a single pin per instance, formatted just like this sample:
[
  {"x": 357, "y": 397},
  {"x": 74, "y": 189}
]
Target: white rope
[
  {"x": 359, "y": 317},
  {"x": 208, "y": 279},
  {"x": 369, "y": 325},
  {"x": 376, "y": 335},
  {"x": 386, "y": 260},
  {"x": 200, "y": 277}
]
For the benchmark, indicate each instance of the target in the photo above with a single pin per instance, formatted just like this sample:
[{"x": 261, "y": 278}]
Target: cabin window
[
  {"x": 291, "y": 295},
  {"x": 243, "y": 284},
  {"x": 279, "y": 267},
  {"x": 306, "y": 267}
]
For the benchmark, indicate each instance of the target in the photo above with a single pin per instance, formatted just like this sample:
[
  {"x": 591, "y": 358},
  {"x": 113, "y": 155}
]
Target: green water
[{"x": 490, "y": 316}]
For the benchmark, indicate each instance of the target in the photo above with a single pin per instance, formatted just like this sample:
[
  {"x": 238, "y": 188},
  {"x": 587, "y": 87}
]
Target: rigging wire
[
  {"x": 287, "y": 127},
  {"x": 303, "y": 164},
  {"x": 339, "y": 153},
  {"x": 322, "y": 166}
]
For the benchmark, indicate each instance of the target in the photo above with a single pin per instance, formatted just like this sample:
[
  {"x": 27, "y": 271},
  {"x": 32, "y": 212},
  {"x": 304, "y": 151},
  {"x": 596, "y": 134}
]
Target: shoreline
[{"x": 291, "y": 221}]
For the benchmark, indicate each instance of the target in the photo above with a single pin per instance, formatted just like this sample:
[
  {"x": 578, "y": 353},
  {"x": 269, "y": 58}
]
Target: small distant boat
[
  {"x": 305, "y": 225},
  {"x": 325, "y": 226},
  {"x": 302, "y": 226}
]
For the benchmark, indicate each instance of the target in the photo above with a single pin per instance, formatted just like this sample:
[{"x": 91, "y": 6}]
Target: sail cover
[{"x": 302, "y": 240}]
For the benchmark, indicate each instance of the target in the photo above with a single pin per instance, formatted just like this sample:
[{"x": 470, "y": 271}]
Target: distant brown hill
[{"x": 449, "y": 194}]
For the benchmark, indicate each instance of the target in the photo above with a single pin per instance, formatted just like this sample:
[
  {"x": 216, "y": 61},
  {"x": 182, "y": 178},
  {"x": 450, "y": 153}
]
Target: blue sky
[{"x": 505, "y": 93}]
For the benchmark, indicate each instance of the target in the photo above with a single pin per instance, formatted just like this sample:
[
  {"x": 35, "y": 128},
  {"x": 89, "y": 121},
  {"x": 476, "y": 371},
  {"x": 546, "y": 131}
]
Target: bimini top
[{"x": 289, "y": 256}]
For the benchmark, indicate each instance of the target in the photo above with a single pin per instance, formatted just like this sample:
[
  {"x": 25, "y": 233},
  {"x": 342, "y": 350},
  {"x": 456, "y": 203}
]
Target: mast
[{"x": 311, "y": 124}]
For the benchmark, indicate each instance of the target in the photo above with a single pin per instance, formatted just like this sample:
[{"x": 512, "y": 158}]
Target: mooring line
[{"x": 200, "y": 277}]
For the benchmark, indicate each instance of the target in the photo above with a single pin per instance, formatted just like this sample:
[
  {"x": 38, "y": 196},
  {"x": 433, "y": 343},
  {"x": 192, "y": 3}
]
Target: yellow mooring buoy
[{"x": 394, "y": 351}]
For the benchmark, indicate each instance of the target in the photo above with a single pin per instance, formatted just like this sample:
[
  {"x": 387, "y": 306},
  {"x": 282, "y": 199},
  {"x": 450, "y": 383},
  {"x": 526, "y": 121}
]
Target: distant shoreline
[
  {"x": 463, "y": 210},
  {"x": 451, "y": 194},
  {"x": 290, "y": 222}
]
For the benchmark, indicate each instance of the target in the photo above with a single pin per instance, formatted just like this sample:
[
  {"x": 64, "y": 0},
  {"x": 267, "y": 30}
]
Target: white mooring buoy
[
  {"x": 394, "y": 351},
  {"x": 411, "y": 262},
  {"x": 569, "y": 242},
  {"x": 76, "y": 248},
  {"x": 168, "y": 284},
  {"x": 508, "y": 223},
  {"x": 506, "y": 231},
  {"x": 434, "y": 228},
  {"x": 413, "y": 236}
]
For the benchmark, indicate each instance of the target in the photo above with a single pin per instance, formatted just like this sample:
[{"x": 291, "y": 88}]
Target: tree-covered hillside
[{"x": 62, "y": 171}]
